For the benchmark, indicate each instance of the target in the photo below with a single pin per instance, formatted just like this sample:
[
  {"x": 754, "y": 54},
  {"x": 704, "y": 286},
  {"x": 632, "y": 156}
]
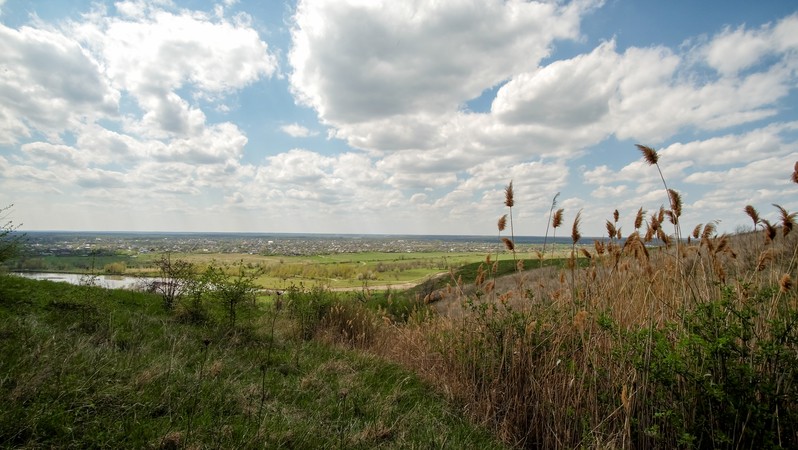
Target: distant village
[{"x": 85, "y": 244}]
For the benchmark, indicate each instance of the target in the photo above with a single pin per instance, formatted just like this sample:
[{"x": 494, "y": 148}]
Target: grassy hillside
[{"x": 88, "y": 367}]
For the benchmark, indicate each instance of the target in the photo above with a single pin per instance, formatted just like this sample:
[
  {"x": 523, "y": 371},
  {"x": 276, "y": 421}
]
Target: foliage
[
  {"x": 725, "y": 378},
  {"x": 308, "y": 307},
  {"x": 176, "y": 278},
  {"x": 231, "y": 290},
  {"x": 9, "y": 237}
]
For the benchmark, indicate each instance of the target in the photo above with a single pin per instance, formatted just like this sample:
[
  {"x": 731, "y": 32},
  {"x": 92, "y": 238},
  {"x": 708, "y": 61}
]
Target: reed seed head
[
  {"x": 672, "y": 217},
  {"x": 611, "y": 229},
  {"x": 616, "y": 215},
  {"x": 556, "y": 221},
  {"x": 508, "y": 195},
  {"x": 769, "y": 230},
  {"x": 649, "y": 154},
  {"x": 508, "y": 244},
  {"x": 599, "y": 247},
  {"x": 697, "y": 231},
  {"x": 502, "y": 222},
  {"x": 709, "y": 231},
  {"x": 676, "y": 203},
  {"x": 795, "y": 173},
  {"x": 764, "y": 258},
  {"x": 639, "y": 218},
  {"x": 753, "y": 214},
  {"x": 787, "y": 220},
  {"x": 575, "y": 235}
]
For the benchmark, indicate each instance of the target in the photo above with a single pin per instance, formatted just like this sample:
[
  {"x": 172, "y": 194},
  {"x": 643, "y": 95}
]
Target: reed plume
[
  {"x": 787, "y": 220},
  {"x": 652, "y": 158},
  {"x": 611, "y": 230},
  {"x": 697, "y": 231},
  {"x": 555, "y": 221},
  {"x": 769, "y": 231},
  {"x": 649, "y": 154},
  {"x": 508, "y": 195},
  {"x": 575, "y": 234},
  {"x": 639, "y": 218},
  {"x": 795, "y": 173},
  {"x": 502, "y": 224},
  {"x": 509, "y": 201},
  {"x": 753, "y": 214},
  {"x": 676, "y": 204}
]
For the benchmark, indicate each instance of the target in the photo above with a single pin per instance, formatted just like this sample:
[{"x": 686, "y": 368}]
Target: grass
[
  {"x": 341, "y": 270},
  {"x": 89, "y": 367},
  {"x": 629, "y": 344}
]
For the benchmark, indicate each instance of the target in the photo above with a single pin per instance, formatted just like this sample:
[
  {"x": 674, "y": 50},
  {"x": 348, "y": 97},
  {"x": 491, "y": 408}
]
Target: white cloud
[
  {"x": 565, "y": 94},
  {"x": 152, "y": 53},
  {"x": 357, "y": 62},
  {"x": 608, "y": 191},
  {"x": 297, "y": 130},
  {"x": 734, "y": 149},
  {"x": 749, "y": 47},
  {"x": 48, "y": 83}
]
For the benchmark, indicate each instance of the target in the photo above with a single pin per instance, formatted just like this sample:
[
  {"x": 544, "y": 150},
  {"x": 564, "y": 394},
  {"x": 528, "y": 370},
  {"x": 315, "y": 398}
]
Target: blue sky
[{"x": 371, "y": 116}]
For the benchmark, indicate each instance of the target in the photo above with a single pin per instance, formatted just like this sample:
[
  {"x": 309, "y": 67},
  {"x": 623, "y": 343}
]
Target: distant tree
[
  {"x": 232, "y": 290},
  {"x": 9, "y": 238},
  {"x": 176, "y": 278}
]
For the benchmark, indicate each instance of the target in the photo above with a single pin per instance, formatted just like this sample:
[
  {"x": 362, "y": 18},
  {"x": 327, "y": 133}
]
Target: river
[{"x": 106, "y": 281}]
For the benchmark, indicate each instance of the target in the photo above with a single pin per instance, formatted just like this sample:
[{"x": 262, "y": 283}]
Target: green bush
[
  {"x": 724, "y": 379},
  {"x": 308, "y": 307}
]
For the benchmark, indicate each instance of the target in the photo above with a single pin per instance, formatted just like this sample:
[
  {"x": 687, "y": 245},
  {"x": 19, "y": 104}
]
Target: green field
[{"x": 337, "y": 271}]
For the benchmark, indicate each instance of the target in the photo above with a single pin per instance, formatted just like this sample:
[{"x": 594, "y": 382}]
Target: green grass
[{"x": 88, "y": 367}]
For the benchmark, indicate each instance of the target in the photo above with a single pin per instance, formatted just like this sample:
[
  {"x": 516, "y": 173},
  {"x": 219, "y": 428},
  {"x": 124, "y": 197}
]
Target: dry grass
[{"x": 606, "y": 356}]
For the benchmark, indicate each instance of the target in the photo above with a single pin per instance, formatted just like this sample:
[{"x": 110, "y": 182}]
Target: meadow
[{"x": 336, "y": 271}]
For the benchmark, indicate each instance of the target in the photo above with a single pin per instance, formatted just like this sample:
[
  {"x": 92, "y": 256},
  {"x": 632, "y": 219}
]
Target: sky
[{"x": 393, "y": 117}]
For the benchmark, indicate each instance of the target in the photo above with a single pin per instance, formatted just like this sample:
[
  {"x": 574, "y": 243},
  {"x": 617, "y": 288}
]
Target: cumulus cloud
[
  {"x": 48, "y": 83},
  {"x": 750, "y": 46},
  {"x": 151, "y": 53},
  {"x": 357, "y": 62}
]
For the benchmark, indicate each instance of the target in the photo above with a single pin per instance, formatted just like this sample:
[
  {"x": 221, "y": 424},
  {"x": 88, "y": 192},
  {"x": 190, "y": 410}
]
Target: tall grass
[{"x": 639, "y": 347}]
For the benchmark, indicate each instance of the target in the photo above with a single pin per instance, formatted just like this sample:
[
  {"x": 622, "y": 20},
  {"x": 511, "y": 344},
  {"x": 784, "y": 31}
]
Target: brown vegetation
[{"x": 655, "y": 344}]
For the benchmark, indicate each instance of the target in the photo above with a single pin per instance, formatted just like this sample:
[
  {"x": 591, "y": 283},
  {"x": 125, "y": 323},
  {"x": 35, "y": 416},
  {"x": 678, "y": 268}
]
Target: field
[{"x": 377, "y": 270}]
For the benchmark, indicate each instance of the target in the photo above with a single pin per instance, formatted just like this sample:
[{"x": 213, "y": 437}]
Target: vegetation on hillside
[
  {"x": 87, "y": 367},
  {"x": 653, "y": 339},
  {"x": 689, "y": 343}
]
